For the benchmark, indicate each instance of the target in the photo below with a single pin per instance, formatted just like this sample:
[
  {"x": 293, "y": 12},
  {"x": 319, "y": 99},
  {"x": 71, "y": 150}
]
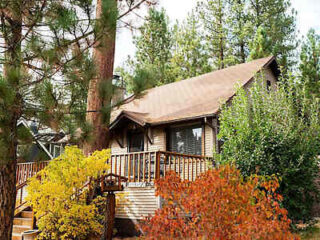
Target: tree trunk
[
  {"x": 7, "y": 196},
  {"x": 99, "y": 98},
  {"x": 109, "y": 217},
  {"x": 8, "y": 127}
]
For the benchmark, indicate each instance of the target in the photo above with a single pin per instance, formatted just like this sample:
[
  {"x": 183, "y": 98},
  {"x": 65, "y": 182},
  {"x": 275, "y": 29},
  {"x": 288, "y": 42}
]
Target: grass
[{"x": 311, "y": 232}]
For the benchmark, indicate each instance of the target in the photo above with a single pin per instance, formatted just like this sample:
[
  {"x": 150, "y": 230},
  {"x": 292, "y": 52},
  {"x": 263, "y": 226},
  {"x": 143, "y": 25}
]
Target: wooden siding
[
  {"x": 209, "y": 140},
  {"x": 137, "y": 203},
  {"x": 159, "y": 140}
]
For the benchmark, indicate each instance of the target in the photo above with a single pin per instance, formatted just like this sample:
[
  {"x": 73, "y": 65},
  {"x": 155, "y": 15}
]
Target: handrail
[
  {"x": 25, "y": 171},
  {"x": 150, "y": 165}
]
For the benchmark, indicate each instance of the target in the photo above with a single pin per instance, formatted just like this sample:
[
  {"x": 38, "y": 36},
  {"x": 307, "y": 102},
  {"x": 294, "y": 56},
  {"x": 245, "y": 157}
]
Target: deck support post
[
  {"x": 157, "y": 166},
  {"x": 109, "y": 216}
]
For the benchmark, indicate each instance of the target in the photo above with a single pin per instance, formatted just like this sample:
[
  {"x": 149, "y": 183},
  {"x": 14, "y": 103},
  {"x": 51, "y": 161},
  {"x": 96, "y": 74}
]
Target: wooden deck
[
  {"x": 141, "y": 169},
  {"x": 148, "y": 166}
]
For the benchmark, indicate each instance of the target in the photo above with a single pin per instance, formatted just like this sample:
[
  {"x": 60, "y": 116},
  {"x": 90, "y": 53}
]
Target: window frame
[
  {"x": 195, "y": 125},
  {"x": 131, "y": 133}
]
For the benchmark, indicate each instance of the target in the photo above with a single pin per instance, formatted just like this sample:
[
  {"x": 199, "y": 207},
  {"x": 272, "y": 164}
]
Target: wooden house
[
  {"x": 174, "y": 127},
  {"x": 171, "y": 127}
]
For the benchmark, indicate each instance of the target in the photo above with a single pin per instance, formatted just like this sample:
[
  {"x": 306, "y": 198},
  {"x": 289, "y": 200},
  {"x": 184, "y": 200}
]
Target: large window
[
  {"x": 135, "y": 141},
  {"x": 186, "y": 140}
]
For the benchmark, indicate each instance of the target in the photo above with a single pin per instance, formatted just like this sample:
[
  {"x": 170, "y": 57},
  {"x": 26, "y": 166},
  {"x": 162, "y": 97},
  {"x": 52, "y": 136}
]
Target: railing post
[{"x": 157, "y": 170}]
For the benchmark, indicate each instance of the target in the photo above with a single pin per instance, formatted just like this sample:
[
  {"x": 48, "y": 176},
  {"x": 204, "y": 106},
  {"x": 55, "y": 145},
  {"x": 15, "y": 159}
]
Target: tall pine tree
[
  {"x": 190, "y": 56},
  {"x": 310, "y": 63},
  {"x": 213, "y": 15},
  {"x": 151, "y": 65},
  {"x": 278, "y": 19},
  {"x": 43, "y": 42}
]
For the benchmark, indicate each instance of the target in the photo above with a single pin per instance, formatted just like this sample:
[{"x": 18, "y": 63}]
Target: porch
[{"x": 140, "y": 168}]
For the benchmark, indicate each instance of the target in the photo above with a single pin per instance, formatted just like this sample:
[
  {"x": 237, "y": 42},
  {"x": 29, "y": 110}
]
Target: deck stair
[{"x": 22, "y": 222}]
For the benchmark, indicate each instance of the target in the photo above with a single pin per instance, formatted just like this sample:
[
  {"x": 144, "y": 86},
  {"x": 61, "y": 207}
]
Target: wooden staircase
[{"x": 22, "y": 222}]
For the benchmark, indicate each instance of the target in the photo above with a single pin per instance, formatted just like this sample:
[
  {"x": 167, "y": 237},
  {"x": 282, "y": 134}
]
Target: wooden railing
[
  {"x": 27, "y": 170},
  {"x": 148, "y": 166},
  {"x": 23, "y": 173}
]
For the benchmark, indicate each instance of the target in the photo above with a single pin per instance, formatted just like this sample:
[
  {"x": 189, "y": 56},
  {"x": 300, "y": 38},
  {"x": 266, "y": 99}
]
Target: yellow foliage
[{"x": 57, "y": 196}]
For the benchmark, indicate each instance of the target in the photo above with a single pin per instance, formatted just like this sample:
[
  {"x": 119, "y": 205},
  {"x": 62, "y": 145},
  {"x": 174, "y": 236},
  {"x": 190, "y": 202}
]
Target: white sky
[{"x": 308, "y": 17}]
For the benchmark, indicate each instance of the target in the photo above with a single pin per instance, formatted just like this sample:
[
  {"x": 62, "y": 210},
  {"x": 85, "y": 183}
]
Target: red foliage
[{"x": 218, "y": 205}]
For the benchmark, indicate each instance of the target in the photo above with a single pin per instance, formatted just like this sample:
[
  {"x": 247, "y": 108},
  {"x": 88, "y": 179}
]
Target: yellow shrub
[{"x": 58, "y": 199}]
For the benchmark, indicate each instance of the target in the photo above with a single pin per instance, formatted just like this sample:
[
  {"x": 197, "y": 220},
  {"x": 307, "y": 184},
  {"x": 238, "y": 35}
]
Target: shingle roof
[{"x": 190, "y": 98}]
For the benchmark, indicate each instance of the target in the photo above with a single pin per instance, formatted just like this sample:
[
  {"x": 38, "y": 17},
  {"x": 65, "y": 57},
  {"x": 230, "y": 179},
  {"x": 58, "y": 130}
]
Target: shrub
[
  {"x": 278, "y": 133},
  {"x": 58, "y": 200},
  {"x": 220, "y": 204}
]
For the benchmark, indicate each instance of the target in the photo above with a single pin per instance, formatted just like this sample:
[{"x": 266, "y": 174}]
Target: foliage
[
  {"x": 213, "y": 15},
  {"x": 261, "y": 45},
  {"x": 275, "y": 132},
  {"x": 278, "y": 19},
  {"x": 59, "y": 200},
  {"x": 310, "y": 63},
  {"x": 153, "y": 54},
  {"x": 220, "y": 204},
  {"x": 215, "y": 35},
  {"x": 190, "y": 57}
]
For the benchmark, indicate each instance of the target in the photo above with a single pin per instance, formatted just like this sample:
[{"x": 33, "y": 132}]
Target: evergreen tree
[
  {"x": 213, "y": 15},
  {"x": 238, "y": 22},
  {"x": 154, "y": 44},
  {"x": 150, "y": 66},
  {"x": 261, "y": 46},
  {"x": 190, "y": 56},
  {"x": 101, "y": 87},
  {"x": 310, "y": 63},
  {"x": 43, "y": 43},
  {"x": 279, "y": 22}
]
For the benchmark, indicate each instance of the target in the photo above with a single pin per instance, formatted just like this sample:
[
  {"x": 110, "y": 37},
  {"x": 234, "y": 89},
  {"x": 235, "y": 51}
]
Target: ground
[{"x": 311, "y": 231}]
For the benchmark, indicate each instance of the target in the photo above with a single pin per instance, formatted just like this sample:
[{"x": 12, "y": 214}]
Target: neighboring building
[{"x": 46, "y": 144}]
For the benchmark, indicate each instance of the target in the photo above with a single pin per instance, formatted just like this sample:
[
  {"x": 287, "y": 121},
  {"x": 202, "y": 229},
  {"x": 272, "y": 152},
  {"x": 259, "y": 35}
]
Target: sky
[{"x": 308, "y": 17}]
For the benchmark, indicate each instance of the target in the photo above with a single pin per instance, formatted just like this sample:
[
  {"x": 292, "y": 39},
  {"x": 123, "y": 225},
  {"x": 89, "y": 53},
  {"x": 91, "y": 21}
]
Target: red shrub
[{"x": 218, "y": 205}]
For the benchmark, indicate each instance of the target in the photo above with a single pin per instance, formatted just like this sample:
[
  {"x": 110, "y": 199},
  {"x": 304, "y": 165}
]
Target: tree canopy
[{"x": 275, "y": 132}]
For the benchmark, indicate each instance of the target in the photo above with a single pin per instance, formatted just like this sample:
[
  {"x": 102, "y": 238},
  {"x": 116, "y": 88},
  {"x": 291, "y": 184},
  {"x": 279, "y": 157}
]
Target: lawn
[{"x": 311, "y": 232}]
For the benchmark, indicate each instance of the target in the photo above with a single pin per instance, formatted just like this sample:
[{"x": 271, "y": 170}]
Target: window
[
  {"x": 268, "y": 85},
  {"x": 135, "y": 141},
  {"x": 186, "y": 140}
]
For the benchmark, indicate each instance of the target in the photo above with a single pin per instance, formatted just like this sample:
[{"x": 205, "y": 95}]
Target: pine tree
[
  {"x": 212, "y": 14},
  {"x": 261, "y": 46},
  {"x": 101, "y": 87},
  {"x": 239, "y": 25},
  {"x": 279, "y": 22},
  {"x": 190, "y": 56},
  {"x": 44, "y": 43},
  {"x": 310, "y": 63},
  {"x": 150, "y": 66}
]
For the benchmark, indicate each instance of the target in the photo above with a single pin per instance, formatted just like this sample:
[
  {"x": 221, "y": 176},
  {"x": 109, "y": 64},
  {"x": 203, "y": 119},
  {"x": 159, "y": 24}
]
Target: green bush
[{"x": 278, "y": 133}]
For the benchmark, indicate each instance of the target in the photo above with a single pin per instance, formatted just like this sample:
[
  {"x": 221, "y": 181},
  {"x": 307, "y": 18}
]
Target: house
[
  {"x": 171, "y": 127},
  {"x": 183, "y": 116},
  {"x": 46, "y": 144},
  {"x": 174, "y": 127}
]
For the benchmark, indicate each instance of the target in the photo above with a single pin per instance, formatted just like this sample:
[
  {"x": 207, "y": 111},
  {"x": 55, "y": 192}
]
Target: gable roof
[{"x": 191, "y": 98}]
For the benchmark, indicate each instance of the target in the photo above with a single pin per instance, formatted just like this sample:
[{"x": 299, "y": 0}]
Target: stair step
[
  {"x": 26, "y": 214},
  {"x": 20, "y": 228},
  {"x": 22, "y": 221},
  {"x": 16, "y": 236}
]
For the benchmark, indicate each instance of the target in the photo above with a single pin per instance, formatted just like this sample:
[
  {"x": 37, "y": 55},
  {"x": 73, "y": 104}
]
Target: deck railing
[
  {"x": 137, "y": 166},
  {"x": 148, "y": 166},
  {"x": 23, "y": 173}
]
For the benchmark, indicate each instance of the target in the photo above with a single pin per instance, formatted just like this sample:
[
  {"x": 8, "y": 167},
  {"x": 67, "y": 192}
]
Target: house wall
[
  {"x": 137, "y": 202},
  {"x": 158, "y": 134},
  {"x": 268, "y": 75}
]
